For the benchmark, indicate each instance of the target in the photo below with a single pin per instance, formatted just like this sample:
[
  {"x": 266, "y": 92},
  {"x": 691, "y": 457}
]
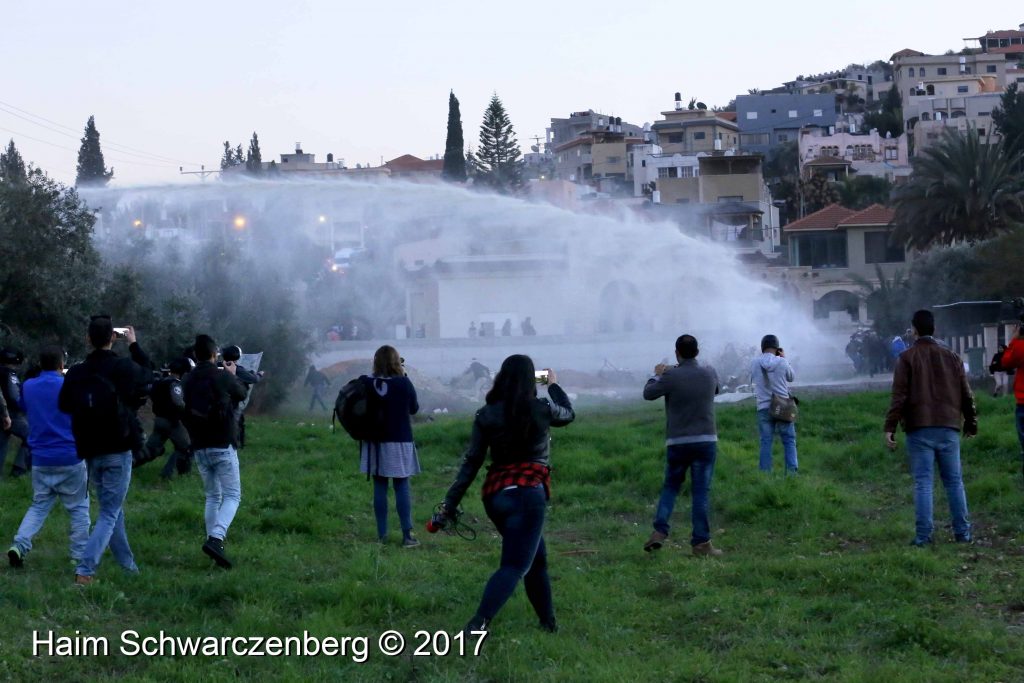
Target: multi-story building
[
  {"x": 599, "y": 158},
  {"x": 835, "y": 253},
  {"x": 1009, "y": 44},
  {"x": 867, "y": 82},
  {"x": 845, "y": 152},
  {"x": 582, "y": 123},
  {"x": 723, "y": 198},
  {"x": 914, "y": 71},
  {"x": 767, "y": 121},
  {"x": 649, "y": 163},
  {"x": 409, "y": 167},
  {"x": 305, "y": 163},
  {"x": 930, "y": 116},
  {"x": 692, "y": 131}
]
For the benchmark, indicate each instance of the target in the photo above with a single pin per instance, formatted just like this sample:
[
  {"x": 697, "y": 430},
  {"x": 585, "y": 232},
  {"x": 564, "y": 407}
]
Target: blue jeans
[
  {"x": 766, "y": 428},
  {"x": 926, "y": 446},
  {"x": 110, "y": 476},
  {"x": 1019, "y": 415},
  {"x": 19, "y": 428},
  {"x": 403, "y": 502},
  {"x": 222, "y": 483},
  {"x": 518, "y": 513},
  {"x": 700, "y": 459},
  {"x": 70, "y": 483}
]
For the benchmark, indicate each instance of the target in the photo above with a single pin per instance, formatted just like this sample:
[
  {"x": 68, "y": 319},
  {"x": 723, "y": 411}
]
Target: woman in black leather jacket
[{"x": 514, "y": 427}]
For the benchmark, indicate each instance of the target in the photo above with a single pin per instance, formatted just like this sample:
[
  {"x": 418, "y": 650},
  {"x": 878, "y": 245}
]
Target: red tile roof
[
  {"x": 876, "y": 214},
  {"x": 828, "y": 160},
  {"x": 408, "y": 162},
  {"x": 1007, "y": 50},
  {"x": 826, "y": 219},
  {"x": 1011, "y": 33},
  {"x": 727, "y": 115}
]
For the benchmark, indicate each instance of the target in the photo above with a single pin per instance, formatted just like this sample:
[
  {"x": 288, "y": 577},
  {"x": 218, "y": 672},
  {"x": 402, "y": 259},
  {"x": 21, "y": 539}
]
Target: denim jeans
[
  {"x": 19, "y": 428},
  {"x": 223, "y": 486},
  {"x": 110, "y": 475},
  {"x": 70, "y": 483},
  {"x": 403, "y": 502},
  {"x": 1019, "y": 415},
  {"x": 518, "y": 513},
  {"x": 925, "y": 447},
  {"x": 766, "y": 428},
  {"x": 699, "y": 458}
]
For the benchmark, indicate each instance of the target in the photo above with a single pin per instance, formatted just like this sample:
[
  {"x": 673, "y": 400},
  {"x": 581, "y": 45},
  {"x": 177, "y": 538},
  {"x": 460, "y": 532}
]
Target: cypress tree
[
  {"x": 254, "y": 161},
  {"x": 454, "y": 160},
  {"x": 12, "y": 166},
  {"x": 228, "y": 159},
  {"x": 91, "y": 169},
  {"x": 498, "y": 157}
]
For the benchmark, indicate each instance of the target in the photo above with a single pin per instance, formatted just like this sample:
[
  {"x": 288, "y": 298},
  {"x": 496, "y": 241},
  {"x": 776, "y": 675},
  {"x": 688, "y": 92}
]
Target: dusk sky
[{"x": 370, "y": 80}]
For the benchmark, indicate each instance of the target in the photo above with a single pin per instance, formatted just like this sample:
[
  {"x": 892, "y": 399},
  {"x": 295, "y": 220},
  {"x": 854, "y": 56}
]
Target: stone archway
[{"x": 837, "y": 301}]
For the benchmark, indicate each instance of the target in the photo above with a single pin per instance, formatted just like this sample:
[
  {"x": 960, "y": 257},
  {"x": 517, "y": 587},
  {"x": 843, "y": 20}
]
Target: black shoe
[
  {"x": 921, "y": 542},
  {"x": 963, "y": 538},
  {"x": 477, "y": 623},
  {"x": 15, "y": 557},
  {"x": 18, "y": 472},
  {"x": 214, "y": 547},
  {"x": 549, "y": 625}
]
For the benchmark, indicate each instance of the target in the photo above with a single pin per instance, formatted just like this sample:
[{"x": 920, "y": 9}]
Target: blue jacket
[
  {"x": 399, "y": 403},
  {"x": 49, "y": 430}
]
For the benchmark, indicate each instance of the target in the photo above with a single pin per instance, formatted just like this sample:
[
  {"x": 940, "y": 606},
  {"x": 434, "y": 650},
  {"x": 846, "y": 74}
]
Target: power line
[
  {"x": 70, "y": 149},
  {"x": 134, "y": 151}
]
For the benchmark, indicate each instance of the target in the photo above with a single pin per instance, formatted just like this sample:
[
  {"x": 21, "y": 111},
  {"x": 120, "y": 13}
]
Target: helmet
[{"x": 231, "y": 353}]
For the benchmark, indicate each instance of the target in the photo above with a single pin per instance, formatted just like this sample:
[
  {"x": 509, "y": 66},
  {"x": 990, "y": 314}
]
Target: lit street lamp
[{"x": 240, "y": 222}]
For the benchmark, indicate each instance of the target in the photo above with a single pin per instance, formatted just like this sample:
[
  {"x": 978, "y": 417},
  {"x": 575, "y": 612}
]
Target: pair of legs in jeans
[
  {"x": 518, "y": 513},
  {"x": 767, "y": 427},
  {"x": 926, "y": 447},
  {"x": 222, "y": 484},
  {"x": 403, "y": 502},
  {"x": 110, "y": 476},
  {"x": 1019, "y": 417},
  {"x": 69, "y": 483},
  {"x": 699, "y": 458}
]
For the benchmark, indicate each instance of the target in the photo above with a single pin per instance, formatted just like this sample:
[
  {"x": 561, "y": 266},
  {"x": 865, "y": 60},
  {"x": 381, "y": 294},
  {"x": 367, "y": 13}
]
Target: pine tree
[
  {"x": 498, "y": 158},
  {"x": 228, "y": 159},
  {"x": 12, "y": 167},
  {"x": 91, "y": 169},
  {"x": 454, "y": 161},
  {"x": 239, "y": 155},
  {"x": 254, "y": 162}
]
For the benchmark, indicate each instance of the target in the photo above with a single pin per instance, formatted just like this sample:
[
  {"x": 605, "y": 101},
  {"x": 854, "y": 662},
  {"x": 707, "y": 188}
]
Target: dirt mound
[{"x": 432, "y": 394}]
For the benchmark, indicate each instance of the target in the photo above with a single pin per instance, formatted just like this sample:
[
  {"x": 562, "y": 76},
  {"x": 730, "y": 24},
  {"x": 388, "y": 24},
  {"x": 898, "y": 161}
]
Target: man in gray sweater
[{"x": 691, "y": 440}]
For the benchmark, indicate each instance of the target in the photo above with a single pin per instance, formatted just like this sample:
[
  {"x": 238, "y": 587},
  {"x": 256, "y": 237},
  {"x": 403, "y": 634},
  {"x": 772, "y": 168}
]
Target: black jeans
[{"x": 518, "y": 513}]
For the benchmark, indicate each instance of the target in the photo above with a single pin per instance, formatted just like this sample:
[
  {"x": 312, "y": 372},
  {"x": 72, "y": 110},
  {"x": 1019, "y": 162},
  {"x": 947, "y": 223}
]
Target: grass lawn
[{"x": 817, "y": 583}]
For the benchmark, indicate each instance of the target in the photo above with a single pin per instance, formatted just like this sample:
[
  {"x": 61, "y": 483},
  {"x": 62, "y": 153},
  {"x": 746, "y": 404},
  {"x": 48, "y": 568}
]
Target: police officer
[
  {"x": 168, "y": 409},
  {"x": 10, "y": 387},
  {"x": 248, "y": 378}
]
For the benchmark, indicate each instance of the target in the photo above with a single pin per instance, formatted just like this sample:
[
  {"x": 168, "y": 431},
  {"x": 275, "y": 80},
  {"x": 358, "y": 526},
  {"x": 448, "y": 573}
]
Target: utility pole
[{"x": 202, "y": 173}]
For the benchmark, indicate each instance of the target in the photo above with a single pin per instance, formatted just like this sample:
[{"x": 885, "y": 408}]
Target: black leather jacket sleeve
[{"x": 472, "y": 461}]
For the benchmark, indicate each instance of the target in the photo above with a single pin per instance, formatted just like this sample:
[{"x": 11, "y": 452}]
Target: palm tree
[
  {"x": 962, "y": 189},
  {"x": 887, "y": 300}
]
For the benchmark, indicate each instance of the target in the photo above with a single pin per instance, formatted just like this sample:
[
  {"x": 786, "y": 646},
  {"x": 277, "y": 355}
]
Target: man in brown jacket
[{"x": 930, "y": 393}]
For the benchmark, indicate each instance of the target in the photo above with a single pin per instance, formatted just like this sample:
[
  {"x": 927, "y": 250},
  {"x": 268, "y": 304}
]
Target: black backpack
[
  {"x": 98, "y": 412},
  {"x": 360, "y": 410}
]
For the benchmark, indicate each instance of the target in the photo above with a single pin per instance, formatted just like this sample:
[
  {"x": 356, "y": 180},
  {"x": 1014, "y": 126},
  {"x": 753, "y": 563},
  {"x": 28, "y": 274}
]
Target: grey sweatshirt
[
  {"x": 689, "y": 390},
  {"x": 780, "y": 373}
]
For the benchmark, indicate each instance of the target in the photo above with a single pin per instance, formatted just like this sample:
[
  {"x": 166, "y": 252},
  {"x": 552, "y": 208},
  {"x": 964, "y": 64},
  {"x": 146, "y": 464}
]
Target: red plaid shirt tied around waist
[{"x": 501, "y": 477}]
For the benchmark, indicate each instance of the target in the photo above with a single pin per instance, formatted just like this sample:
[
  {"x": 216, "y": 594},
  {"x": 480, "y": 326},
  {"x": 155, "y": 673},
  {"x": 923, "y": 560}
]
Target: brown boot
[
  {"x": 655, "y": 542},
  {"x": 705, "y": 549},
  {"x": 82, "y": 580}
]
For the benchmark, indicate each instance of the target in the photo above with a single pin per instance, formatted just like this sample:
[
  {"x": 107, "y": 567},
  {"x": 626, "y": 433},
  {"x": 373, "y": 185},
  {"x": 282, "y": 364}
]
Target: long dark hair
[
  {"x": 514, "y": 386},
  {"x": 387, "y": 362}
]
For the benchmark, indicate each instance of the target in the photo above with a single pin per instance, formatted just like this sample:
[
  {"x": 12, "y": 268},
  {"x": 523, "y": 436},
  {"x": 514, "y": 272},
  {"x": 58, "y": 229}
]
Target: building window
[
  {"x": 892, "y": 153},
  {"x": 991, "y": 68},
  {"x": 751, "y": 115},
  {"x": 941, "y": 71},
  {"x": 700, "y": 135},
  {"x": 683, "y": 200},
  {"x": 981, "y": 132},
  {"x": 921, "y": 72},
  {"x": 817, "y": 113},
  {"x": 751, "y": 139},
  {"x": 783, "y": 137},
  {"x": 792, "y": 113},
  {"x": 911, "y": 72},
  {"x": 686, "y": 172},
  {"x": 878, "y": 249},
  {"x": 730, "y": 198},
  {"x": 821, "y": 251},
  {"x": 613, "y": 160},
  {"x": 675, "y": 138},
  {"x": 643, "y": 163},
  {"x": 984, "y": 113},
  {"x": 961, "y": 88}
]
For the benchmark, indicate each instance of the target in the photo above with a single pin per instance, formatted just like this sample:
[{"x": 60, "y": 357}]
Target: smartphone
[
  {"x": 540, "y": 376},
  {"x": 120, "y": 332}
]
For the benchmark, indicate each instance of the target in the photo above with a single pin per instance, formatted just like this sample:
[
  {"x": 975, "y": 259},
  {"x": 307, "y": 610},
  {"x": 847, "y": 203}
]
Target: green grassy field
[{"x": 817, "y": 582}]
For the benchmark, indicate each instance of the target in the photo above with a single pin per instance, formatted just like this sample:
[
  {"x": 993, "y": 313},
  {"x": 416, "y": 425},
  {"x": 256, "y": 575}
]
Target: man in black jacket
[
  {"x": 99, "y": 394},
  {"x": 10, "y": 393},
  {"x": 168, "y": 409},
  {"x": 211, "y": 394}
]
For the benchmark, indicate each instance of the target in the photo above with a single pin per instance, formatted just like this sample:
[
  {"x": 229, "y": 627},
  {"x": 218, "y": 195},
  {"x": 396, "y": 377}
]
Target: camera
[
  {"x": 443, "y": 519},
  {"x": 541, "y": 376},
  {"x": 120, "y": 332}
]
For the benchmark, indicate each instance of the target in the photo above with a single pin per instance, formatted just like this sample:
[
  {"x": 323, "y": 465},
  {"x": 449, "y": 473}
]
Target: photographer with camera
[
  {"x": 514, "y": 427},
  {"x": 771, "y": 373},
  {"x": 16, "y": 423},
  {"x": 1013, "y": 360},
  {"x": 248, "y": 378}
]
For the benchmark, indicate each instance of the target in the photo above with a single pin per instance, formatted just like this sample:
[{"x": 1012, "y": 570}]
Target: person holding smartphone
[{"x": 514, "y": 427}]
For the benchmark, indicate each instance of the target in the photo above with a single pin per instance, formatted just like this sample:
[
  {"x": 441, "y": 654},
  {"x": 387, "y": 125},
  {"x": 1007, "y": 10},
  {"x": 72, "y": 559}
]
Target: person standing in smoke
[
  {"x": 472, "y": 330},
  {"x": 16, "y": 423},
  {"x": 248, "y": 378},
  {"x": 506, "y": 329},
  {"x": 168, "y": 410},
  {"x": 319, "y": 382},
  {"x": 527, "y": 328}
]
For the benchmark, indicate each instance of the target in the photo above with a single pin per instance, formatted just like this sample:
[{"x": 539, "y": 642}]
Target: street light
[
  {"x": 137, "y": 223},
  {"x": 240, "y": 222}
]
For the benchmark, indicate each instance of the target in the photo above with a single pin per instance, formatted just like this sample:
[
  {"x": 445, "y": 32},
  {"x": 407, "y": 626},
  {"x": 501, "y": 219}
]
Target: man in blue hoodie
[
  {"x": 771, "y": 373},
  {"x": 57, "y": 472}
]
